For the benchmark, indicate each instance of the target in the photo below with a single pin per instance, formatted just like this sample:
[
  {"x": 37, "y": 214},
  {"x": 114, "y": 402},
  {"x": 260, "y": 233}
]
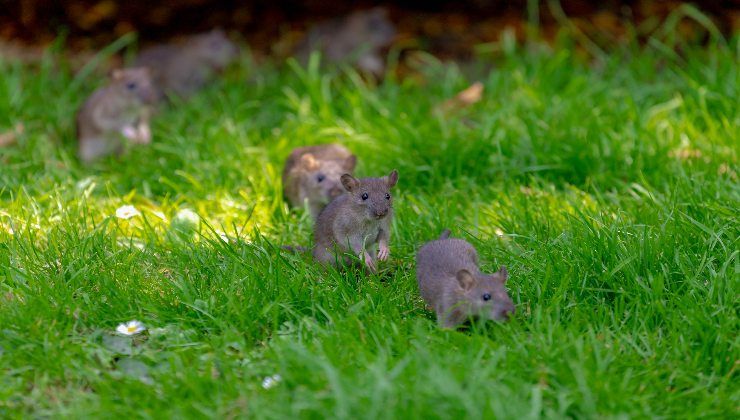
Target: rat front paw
[
  {"x": 370, "y": 263},
  {"x": 371, "y": 266},
  {"x": 383, "y": 253},
  {"x": 130, "y": 132},
  {"x": 144, "y": 135}
]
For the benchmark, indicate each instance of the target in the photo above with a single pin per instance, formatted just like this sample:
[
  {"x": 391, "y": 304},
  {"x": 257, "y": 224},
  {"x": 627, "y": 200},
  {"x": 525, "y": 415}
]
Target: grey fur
[
  {"x": 453, "y": 286},
  {"x": 182, "y": 68},
  {"x": 358, "y": 39},
  {"x": 352, "y": 225}
]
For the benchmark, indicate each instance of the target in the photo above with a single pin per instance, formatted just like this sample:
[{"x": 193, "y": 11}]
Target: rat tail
[
  {"x": 445, "y": 234},
  {"x": 296, "y": 249}
]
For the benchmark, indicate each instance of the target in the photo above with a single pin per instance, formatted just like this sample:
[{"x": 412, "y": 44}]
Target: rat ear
[
  {"x": 503, "y": 273},
  {"x": 349, "y": 182},
  {"x": 116, "y": 74},
  {"x": 392, "y": 179},
  {"x": 309, "y": 162},
  {"x": 465, "y": 279},
  {"x": 349, "y": 163}
]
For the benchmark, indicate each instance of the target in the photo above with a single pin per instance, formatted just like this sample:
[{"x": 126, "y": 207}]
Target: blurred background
[{"x": 448, "y": 29}]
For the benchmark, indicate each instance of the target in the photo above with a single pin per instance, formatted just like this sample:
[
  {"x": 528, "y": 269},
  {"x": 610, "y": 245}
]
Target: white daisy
[
  {"x": 130, "y": 328},
  {"x": 271, "y": 381},
  {"x": 127, "y": 212}
]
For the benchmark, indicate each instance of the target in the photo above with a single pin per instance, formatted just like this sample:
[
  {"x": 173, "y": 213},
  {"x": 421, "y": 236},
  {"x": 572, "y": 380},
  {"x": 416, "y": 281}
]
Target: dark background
[{"x": 440, "y": 25}]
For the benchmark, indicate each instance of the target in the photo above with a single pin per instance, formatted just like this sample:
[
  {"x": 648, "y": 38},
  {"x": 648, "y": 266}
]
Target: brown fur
[
  {"x": 351, "y": 224},
  {"x": 306, "y": 166},
  {"x": 119, "y": 110},
  {"x": 453, "y": 286}
]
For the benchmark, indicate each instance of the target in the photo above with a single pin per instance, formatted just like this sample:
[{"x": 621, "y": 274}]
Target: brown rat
[
  {"x": 358, "y": 38},
  {"x": 183, "y": 68},
  {"x": 356, "y": 221},
  {"x": 119, "y": 110},
  {"x": 312, "y": 174},
  {"x": 453, "y": 286}
]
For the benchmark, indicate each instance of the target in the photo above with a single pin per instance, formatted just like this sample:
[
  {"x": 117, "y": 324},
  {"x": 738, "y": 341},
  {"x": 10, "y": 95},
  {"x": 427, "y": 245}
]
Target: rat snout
[
  {"x": 380, "y": 213},
  {"x": 506, "y": 312},
  {"x": 151, "y": 95}
]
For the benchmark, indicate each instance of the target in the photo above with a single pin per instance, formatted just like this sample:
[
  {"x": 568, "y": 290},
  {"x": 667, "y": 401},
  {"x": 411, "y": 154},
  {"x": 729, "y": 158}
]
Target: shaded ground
[{"x": 448, "y": 29}]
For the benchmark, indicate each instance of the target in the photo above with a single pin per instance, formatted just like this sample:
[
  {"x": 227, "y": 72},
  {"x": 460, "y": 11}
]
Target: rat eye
[
  {"x": 486, "y": 296},
  {"x": 320, "y": 178},
  {"x": 364, "y": 196},
  {"x": 131, "y": 85},
  {"x": 387, "y": 196}
]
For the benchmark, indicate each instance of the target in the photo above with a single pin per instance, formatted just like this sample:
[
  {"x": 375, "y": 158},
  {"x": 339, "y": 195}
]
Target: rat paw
[
  {"x": 129, "y": 132},
  {"x": 383, "y": 253},
  {"x": 371, "y": 266}
]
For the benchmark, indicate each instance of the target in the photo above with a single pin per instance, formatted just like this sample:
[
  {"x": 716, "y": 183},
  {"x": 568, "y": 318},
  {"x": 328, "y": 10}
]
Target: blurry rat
[
  {"x": 118, "y": 111},
  {"x": 358, "y": 39},
  {"x": 185, "y": 67},
  {"x": 312, "y": 174}
]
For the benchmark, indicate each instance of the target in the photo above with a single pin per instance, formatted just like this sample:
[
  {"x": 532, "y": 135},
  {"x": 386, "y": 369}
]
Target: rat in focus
[
  {"x": 358, "y": 39},
  {"x": 356, "y": 222},
  {"x": 182, "y": 68},
  {"x": 118, "y": 111},
  {"x": 312, "y": 174},
  {"x": 453, "y": 286}
]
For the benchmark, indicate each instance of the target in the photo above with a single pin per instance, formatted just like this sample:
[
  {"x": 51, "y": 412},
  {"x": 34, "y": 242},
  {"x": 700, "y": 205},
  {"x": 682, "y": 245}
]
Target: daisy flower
[
  {"x": 127, "y": 212},
  {"x": 130, "y": 328}
]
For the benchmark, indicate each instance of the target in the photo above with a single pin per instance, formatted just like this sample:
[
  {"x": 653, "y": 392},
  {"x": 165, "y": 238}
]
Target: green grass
[{"x": 610, "y": 192}]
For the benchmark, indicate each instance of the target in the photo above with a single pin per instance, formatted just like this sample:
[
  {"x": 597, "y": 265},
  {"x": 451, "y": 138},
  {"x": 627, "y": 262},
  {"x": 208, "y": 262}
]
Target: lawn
[{"x": 607, "y": 187}]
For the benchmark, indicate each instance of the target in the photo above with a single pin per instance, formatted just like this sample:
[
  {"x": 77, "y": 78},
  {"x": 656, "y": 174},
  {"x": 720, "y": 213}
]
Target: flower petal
[
  {"x": 127, "y": 212},
  {"x": 130, "y": 328}
]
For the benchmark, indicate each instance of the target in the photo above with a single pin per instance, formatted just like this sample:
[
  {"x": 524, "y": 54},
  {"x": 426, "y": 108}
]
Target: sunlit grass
[{"x": 610, "y": 192}]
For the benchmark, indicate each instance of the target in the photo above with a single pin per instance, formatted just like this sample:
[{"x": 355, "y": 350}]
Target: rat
[
  {"x": 453, "y": 286},
  {"x": 114, "y": 112},
  {"x": 185, "y": 67},
  {"x": 356, "y": 221},
  {"x": 358, "y": 38},
  {"x": 313, "y": 174}
]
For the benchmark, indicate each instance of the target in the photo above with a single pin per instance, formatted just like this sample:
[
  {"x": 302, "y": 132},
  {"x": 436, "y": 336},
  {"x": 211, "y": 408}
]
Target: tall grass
[{"x": 610, "y": 192}]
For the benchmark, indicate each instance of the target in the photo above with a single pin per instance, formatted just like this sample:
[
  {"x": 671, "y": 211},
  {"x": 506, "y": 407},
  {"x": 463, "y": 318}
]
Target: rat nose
[
  {"x": 507, "y": 312},
  {"x": 153, "y": 96},
  {"x": 380, "y": 213}
]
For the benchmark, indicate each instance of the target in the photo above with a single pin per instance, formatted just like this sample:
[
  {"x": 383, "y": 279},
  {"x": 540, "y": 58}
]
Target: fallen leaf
[{"x": 467, "y": 97}]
